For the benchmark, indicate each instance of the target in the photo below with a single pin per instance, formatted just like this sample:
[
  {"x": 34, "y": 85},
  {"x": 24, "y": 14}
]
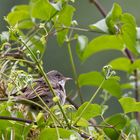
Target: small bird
[{"x": 40, "y": 87}]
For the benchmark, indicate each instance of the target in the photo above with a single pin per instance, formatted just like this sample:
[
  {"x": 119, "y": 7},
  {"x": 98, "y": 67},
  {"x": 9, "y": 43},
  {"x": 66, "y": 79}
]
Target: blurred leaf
[
  {"x": 102, "y": 43},
  {"x": 95, "y": 79},
  {"x": 64, "y": 19},
  {"x": 136, "y": 64},
  {"x": 133, "y": 127},
  {"x": 51, "y": 134},
  {"x": 121, "y": 63},
  {"x": 42, "y": 9},
  {"x": 82, "y": 122},
  {"x": 113, "y": 17},
  {"x": 100, "y": 25},
  {"x": 117, "y": 123},
  {"x": 123, "y": 24},
  {"x": 129, "y": 104},
  {"x": 4, "y": 36},
  {"x": 26, "y": 24},
  {"x": 19, "y": 14},
  {"x": 127, "y": 86},
  {"x": 93, "y": 110},
  {"x": 81, "y": 44}
]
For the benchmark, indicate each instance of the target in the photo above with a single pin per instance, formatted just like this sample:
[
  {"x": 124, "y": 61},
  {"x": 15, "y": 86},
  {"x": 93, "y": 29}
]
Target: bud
[{"x": 56, "y": 99}]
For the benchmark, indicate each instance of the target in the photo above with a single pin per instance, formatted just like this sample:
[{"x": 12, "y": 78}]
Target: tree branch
[
  {"x": 99, "y": 7},
  {"x": 16, "y": 119}
]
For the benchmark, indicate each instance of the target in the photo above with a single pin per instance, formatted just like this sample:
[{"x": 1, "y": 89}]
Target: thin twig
[
  {"x": 16, "y": 119},
  {"x": 74, "y": 72},
  {"x": 99, "y": 7}
]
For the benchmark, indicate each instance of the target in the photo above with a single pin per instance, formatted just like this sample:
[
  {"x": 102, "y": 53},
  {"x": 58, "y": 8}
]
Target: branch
[
  {"x": 16, "y": 119},
  {"x": 99, "y": 7}
]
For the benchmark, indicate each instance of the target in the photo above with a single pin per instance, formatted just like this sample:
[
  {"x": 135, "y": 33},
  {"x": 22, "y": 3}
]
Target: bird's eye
[{"x": 58, "y": 76}]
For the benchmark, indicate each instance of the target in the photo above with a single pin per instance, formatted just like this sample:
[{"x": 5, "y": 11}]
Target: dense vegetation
[{"x": 22, "y": 48}]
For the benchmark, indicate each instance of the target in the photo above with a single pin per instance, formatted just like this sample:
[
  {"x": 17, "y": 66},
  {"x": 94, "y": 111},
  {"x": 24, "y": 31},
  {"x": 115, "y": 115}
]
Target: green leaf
[
  {"x": 82, "y": 122},
  {"x": 18, "y": 14},
  {"x": 128, "y": 32},
  {"x": 129, "y": 104},
  {"x": 42, "y": 9},
  {"x": 113, "y": 17},
  {"x": 26, "y": 24},
  {"x": 95, "y": 79},
  {"x": 102, "y": 43},
  {"x": 121, "y": 63},
  {"x": 64, "y": 19},
  {"x": 51, "y": 134},
  {"x": 81, "y": 44},
  {"x": 127, "y": 86},
  {"x": 117, "y": 122},
  {"x": 133, "y": 127},
  {"x": 136, "y": 64},
  {"x": 100, "y": 25},
  {"x": 93, "y": 110}
]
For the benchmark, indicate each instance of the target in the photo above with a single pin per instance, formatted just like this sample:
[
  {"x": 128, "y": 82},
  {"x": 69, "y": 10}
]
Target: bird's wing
[{"x": 40, "y": 89}]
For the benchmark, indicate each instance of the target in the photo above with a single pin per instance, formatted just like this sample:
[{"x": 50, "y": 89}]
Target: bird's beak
[{"x": 68, "y": 78}]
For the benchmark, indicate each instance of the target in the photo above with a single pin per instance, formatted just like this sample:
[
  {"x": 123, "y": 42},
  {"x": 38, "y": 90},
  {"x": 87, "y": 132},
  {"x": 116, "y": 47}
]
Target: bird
[{"x": 41, "y": 88}]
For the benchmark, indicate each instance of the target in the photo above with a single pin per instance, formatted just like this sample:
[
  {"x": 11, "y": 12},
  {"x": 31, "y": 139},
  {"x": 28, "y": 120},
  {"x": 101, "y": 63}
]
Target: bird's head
[{"x": 56, "y": 76}]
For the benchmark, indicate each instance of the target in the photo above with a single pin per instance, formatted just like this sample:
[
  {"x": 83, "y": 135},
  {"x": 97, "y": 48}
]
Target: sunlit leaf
[
  {"x": 121, "y": 63},
  {"x": 64, "y": 19},
  {"x": 95, "y": 79},
  {"x": 113, "y": 17},
  {"x": 129, "y": 104},
  {"x": 102, "y": 43},
  {"x": 93, "y": 110},
  {"x": 100, "y": 25},
  {"x": 42, "y": 9},
  {"x": 82, "y": 41}
]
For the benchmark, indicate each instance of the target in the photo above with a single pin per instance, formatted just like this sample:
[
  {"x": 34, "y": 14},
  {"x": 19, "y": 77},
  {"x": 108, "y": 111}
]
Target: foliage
[{"x": 22, "y": 48}]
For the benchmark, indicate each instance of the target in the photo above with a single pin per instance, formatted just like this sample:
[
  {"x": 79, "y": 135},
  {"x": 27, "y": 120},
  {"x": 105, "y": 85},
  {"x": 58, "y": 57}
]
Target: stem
[
  {"x": 74, "y": 72},
  {"x": 99, "y": 7},
  {"x": 92, "y": 98},
  {"x": 16, "y": 119}
]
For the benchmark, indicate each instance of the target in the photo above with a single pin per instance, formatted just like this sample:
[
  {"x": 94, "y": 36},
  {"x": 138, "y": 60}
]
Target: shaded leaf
[
  {"x": 117, "y": 123},
  {"x": 129, "y": 104}
]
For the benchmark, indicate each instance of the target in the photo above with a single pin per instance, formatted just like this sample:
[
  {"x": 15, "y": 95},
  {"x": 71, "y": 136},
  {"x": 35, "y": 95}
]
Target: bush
[{"x": 22, "y": 49}]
